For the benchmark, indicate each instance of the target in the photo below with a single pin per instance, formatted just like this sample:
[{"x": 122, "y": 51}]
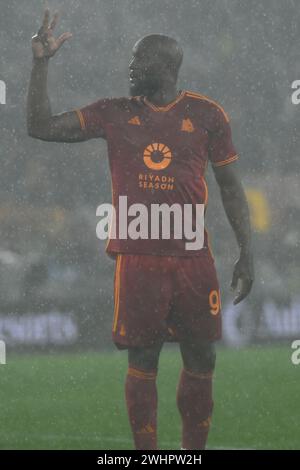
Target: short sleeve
[
  {"x": 93, "y": 118},
  {"x": 221, "y": 148}
]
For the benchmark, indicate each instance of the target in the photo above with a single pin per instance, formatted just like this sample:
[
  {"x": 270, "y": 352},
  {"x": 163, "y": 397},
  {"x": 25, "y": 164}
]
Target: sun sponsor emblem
[{"x": 157, "y": 156}]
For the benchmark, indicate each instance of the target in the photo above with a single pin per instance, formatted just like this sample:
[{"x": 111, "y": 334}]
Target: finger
[
  {"x": 46, "y": 19},
  {"x": 36, "y": 38},
  {"x": 43, "y": 29},
  {"x": 64, "y": 37},
  {"x": 235, "y": 278},
  {"x": 246, "y": 285},
  {"x": 54, "y": 21}
]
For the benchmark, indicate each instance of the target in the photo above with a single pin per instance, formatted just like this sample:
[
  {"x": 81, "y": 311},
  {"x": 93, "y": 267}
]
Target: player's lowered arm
[
  {"x": 237, "y": 211},
  {"x": 41, "y": 124}
]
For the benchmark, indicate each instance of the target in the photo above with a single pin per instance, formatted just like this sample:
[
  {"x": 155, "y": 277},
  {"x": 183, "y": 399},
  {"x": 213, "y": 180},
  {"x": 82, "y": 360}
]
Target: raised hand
[{"x": 44, "y": 44}]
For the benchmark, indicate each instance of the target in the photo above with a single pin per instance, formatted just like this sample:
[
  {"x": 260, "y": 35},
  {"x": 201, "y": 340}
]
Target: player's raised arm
[
  {"x": 41, "y": 124},
  {"x": 236, "y": 208}
]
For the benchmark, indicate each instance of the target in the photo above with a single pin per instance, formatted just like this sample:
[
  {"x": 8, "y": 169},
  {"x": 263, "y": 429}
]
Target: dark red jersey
[{"x": 158, "y": 155}]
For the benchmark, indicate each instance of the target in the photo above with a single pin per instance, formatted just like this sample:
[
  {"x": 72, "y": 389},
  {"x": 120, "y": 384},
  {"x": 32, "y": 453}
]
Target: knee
[
  {"x": 209, "y": 357},
  {"x": 199, "y": 357},
  {"x": 144, "y": 358}
]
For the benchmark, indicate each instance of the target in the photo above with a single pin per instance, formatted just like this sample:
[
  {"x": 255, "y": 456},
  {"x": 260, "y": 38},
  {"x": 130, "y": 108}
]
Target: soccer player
[{"x": 160, "y": 140}]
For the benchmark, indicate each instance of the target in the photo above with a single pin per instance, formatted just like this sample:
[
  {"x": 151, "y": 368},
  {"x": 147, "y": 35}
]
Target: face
[{"x": 146, "y": 70}]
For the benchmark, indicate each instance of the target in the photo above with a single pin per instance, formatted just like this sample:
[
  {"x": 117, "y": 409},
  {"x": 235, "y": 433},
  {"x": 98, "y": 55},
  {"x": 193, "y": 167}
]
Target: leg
[
  {"x": 141, "y": 395},
  {"x": 194, "y": 392},
  {"x": 198, "y": 317},
  {"x": 198, "y": 356},
  {"x": 142, "y": 298},
  {"x": 145, "y": 358}
]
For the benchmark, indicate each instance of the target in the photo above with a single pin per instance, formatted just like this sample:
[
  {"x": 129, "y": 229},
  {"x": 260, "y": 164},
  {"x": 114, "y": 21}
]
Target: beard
[{"x": 145, "y": 87}]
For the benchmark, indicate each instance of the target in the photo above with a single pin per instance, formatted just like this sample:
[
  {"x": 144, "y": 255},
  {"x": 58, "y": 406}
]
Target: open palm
[{"x": 44, "y": 44}]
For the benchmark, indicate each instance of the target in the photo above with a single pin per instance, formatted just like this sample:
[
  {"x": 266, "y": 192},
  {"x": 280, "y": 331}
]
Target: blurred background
[{"x": 56, "y": 280}]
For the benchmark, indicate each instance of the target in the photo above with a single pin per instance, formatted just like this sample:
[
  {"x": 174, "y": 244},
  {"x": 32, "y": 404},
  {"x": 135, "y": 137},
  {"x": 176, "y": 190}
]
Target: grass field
[{"x": 76, "y": 401}]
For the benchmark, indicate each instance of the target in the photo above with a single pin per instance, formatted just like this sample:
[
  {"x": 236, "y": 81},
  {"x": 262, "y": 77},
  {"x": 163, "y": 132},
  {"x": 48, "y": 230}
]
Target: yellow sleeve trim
[
  {"x": 202, "y": 97},
  {"x": 81, "y": 119},
  {"x": 225, "y": 162}
]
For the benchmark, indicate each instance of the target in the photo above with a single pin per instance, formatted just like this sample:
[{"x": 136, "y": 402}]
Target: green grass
[{"x": 76, "y": 401}]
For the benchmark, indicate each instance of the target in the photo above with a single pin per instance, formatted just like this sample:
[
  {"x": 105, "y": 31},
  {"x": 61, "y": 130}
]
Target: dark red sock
[
  {"x": 195, "y": 403},
  {"x": 141, "y": 400}
]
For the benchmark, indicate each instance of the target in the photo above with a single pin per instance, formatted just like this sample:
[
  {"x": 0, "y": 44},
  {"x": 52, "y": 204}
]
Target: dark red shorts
[{"x": 165, "y": 297}]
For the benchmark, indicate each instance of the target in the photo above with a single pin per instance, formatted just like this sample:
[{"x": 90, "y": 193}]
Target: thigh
[
  {"x": 197, "y": 304},
  {"x": 142, "y": 301}
]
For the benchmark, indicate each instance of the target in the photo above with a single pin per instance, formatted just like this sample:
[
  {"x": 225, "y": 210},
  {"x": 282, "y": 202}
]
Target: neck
[{"x": 164, "y": 95}]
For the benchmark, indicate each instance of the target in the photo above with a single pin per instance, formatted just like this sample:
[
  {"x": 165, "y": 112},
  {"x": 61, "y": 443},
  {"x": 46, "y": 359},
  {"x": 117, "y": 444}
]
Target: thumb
[{"x": 62, "y": 38}]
